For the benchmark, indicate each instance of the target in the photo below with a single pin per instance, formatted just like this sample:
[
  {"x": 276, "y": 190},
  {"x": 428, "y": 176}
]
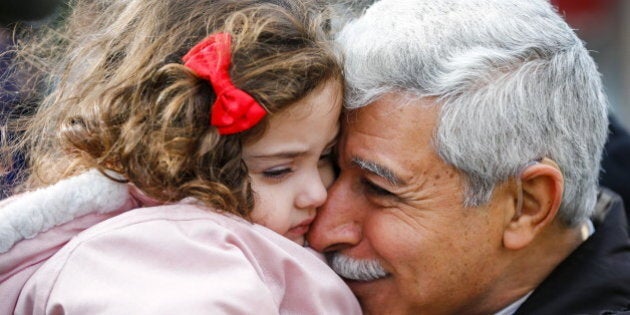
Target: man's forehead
[
  {"x": 390, "y": 104},
  {"x": 393, "y": 117},
  {"x": 390, "y": 138}
]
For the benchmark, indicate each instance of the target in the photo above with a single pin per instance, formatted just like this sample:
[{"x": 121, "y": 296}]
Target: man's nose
[{"x": 337, "y": 224}]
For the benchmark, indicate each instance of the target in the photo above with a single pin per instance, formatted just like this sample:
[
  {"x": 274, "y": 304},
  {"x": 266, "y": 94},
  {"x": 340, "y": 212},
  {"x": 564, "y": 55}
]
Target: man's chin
[
  {"x": 366, "y": 286},
  {"x": 374, "y": 295}
]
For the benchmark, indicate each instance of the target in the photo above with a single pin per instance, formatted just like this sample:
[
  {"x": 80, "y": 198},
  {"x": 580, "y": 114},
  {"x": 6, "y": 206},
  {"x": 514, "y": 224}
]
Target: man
[{"x": 469, "y": 163}]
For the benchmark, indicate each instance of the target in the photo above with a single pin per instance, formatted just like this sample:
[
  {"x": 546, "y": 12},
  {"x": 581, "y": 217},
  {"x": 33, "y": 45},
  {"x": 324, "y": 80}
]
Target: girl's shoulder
[
  {"x": 29, "y": 214},
  {"x": 90, "y": 246},
  {"x": 187, "y": 258}
]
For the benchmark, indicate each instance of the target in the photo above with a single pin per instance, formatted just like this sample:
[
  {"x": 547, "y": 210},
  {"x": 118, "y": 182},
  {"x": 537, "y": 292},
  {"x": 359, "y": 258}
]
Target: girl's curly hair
[{"x": 120, "y": 98}]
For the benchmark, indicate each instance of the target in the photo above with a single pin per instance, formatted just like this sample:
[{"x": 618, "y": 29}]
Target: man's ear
[{"x": 542, "y": 185}]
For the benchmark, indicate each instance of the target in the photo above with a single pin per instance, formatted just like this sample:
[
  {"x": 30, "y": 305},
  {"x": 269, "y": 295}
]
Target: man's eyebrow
[{"x": 378, "y": 170}]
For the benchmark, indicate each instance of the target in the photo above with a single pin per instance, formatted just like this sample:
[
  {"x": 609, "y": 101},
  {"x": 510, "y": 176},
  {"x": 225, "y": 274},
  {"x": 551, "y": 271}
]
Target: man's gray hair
[{"x": 514, "y": 82}]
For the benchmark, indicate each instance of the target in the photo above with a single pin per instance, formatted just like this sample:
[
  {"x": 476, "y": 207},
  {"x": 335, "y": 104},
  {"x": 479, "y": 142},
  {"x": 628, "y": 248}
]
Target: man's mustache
[{"x": 356, "y": 269}]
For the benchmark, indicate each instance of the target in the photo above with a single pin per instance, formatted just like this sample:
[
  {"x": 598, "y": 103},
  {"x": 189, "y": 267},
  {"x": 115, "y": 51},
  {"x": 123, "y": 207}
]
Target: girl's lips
[
  {"x": 301, "y": 228},
  {"x": 298, "y": 230}
]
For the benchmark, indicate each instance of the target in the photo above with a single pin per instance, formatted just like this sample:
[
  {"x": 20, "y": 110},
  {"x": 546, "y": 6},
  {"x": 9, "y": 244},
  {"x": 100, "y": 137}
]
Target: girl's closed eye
[{"x": 277, "y": 173}]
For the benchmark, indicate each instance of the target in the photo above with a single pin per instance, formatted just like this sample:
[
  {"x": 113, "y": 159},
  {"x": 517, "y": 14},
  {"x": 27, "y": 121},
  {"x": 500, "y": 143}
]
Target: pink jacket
[{"x": 86, "y": 246}]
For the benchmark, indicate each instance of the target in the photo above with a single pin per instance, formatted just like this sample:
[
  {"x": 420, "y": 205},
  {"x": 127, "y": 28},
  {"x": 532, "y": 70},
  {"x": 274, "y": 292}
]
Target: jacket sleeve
[{"x": 156, "y": 267}]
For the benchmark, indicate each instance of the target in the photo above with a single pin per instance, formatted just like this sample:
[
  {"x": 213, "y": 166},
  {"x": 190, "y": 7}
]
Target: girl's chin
[{"x": 299, "y": 239}]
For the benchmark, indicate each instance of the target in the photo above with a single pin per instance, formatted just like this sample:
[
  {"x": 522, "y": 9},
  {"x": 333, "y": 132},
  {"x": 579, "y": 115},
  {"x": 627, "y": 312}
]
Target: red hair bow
[{"x": 234, "y": 110}]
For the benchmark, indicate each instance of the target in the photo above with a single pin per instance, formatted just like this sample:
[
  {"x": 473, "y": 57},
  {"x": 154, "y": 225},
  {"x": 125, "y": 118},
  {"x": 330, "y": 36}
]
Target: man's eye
[
  {"x": 326, "y": 156},
  {"x": 276, "y": 173},
  {"x": 325, "y": 159},
  {"x": 373, "y": 189}
]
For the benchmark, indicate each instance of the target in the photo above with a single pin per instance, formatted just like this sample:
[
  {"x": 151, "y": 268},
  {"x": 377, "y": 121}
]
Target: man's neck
[{"x": 528, "y": 267}]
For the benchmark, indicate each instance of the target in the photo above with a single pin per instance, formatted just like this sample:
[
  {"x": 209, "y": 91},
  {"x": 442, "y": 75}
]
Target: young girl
[{"x": 170, "y": 127}]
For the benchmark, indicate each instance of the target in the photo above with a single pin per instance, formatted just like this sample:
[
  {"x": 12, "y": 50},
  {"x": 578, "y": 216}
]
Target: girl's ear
[{"x": 542, "y": 185}]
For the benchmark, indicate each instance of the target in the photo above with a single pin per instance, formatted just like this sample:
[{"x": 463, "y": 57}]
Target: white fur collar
[{"x": 26, "y": 215}]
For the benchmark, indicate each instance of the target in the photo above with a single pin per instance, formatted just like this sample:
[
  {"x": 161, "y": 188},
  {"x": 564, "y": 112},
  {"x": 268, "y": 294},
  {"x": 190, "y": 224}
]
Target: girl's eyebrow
[
  {"x": 281, "y": 154},
  {"x": 290, "y": 153}
]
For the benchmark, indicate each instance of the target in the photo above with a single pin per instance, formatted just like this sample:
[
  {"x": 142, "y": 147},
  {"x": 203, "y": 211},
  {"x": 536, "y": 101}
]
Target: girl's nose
[{"x": 312, "y": 194}]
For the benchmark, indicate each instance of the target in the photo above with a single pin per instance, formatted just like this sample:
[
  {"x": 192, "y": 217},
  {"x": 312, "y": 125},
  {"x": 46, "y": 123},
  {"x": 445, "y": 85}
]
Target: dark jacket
[{"x": 615, "y": 172}]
